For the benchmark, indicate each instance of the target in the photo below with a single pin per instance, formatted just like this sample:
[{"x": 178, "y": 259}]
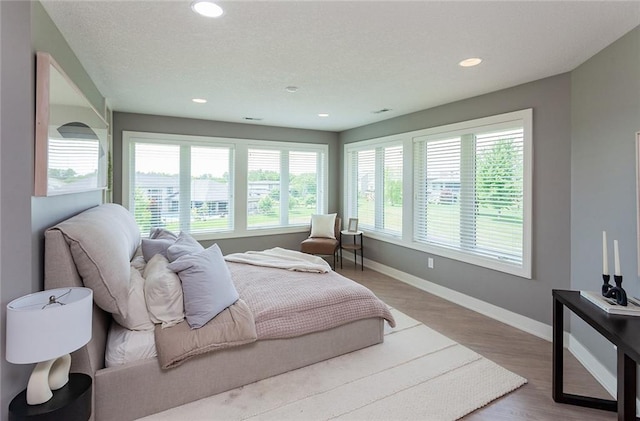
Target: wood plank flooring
[{"x": 520, "y": 352}]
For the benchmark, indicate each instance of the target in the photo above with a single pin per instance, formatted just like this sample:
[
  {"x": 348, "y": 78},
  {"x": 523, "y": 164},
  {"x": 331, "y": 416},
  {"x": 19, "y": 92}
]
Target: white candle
[
  {"x": 616, "y": 258},
  {"x": 605, "y": 254}
]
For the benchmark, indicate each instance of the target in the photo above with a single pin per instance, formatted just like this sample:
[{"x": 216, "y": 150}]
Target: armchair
[{"x": 324, "y": 236}]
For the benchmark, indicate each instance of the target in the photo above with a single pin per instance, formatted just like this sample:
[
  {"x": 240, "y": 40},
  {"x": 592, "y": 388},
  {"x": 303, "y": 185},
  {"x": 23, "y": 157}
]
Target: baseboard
[
  {"x": 510, "y": 318},
  {"x": 526, "y": 324},
  {"x": 597, "y": 370},
  {"x": 593, "y": 366}
]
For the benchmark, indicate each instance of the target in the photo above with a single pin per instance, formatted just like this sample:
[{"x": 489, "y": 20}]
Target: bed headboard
[{"x": 61, "y": 270}]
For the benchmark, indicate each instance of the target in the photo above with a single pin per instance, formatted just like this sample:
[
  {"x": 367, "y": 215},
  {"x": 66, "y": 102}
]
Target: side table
[
  {"x": 72, "y": 402},
  {"x": 355, "y": 246}
]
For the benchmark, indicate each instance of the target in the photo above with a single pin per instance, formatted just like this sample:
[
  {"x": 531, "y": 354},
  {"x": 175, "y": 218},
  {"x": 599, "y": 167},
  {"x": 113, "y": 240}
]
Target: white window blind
[
  {"x": 181, "y": 187},
  {"x": 470, "y": 192},
  {"x": 375, "y": 187},
  {"x": 283, "y": 187},
  {"x": 155, "y": 190},
  {"x": 303, "y": 185},
  {"x": 264, "y": 188}
]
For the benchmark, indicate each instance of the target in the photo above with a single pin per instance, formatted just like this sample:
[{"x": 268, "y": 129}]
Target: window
[
  {"x": 462, "y": 191},
  {"x": 282, "y": 187},
  {"x": 221, "y": 186},
  {"x": 374, "y": 178},
  {"x": 180, "y": 186},
  {"x": 472, "y": 191}
]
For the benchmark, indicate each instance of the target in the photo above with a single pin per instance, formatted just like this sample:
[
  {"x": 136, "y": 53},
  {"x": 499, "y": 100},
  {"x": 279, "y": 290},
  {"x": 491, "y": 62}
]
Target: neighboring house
[{"x": 210, "y": 197}]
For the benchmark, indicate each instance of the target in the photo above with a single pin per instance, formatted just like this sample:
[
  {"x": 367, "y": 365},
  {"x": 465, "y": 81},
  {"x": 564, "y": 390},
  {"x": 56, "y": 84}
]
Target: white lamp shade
[{"x": 38, "y": 331}]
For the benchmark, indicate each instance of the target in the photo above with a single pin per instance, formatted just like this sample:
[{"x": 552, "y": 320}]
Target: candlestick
[
  {"x": 616, "y": 258},
  {"x": 605, "y": 254}
]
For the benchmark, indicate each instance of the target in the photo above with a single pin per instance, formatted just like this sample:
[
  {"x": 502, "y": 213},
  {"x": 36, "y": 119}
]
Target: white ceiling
[{"x": 348, "y": 58}]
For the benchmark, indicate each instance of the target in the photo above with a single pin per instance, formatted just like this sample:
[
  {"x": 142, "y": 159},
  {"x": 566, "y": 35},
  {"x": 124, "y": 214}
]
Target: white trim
[
  {"x": 238, "y": 156},
  {"x": 593, "y": 366},
  {"x": 508, "y": 317},
  {"x": 603, "y": 376}
]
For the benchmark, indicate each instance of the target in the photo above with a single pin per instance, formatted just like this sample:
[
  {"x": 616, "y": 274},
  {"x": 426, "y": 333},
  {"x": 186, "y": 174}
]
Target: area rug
[{"x": 416, "y": 374}]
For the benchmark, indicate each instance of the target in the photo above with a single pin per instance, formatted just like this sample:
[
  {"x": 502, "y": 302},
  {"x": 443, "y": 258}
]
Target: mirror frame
[{"x": 44, "y": 64}]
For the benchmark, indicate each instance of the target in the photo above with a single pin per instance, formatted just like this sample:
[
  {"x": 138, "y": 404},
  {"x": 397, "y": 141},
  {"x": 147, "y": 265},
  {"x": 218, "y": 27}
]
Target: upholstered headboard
[{"x": 92, "y": 249}]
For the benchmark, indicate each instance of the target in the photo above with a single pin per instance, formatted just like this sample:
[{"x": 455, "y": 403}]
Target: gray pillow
[
  {"x": 185, "y": 244},
  {"x": 158, "y": 242},
  {"x": 206, "y": 284},
  {"x": 162, "y": 233},
  {"x": 104, "y": 264}
]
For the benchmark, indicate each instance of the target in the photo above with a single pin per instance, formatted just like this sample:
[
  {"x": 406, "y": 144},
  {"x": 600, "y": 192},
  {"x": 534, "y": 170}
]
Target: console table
[{"x": 622, "y": 331}]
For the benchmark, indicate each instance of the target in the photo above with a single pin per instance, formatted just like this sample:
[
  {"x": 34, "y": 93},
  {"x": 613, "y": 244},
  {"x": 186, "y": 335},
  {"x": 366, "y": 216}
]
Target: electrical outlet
[{"x": 430, "y": 262}]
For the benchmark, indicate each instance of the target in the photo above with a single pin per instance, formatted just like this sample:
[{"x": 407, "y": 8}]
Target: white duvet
[{"x": 278, "y": 257}]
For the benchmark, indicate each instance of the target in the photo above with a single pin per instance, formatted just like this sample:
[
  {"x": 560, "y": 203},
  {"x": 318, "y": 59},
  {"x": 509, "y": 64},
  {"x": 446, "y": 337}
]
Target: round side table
[
  {"x": 72, "y": 402},
  {"x": 355, "y": 246}
]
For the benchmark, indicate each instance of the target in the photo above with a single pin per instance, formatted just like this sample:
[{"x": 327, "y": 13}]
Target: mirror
[{"x": 71, "y": 136}]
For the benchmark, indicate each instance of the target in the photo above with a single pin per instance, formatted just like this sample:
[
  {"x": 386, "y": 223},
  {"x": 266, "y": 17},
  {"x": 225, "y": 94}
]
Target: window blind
[
  {"x": 375, "y": 186},
  {"x": 469, "y": 193},
  {"x": 263, "y": 188},
  {"x": 181, "y": 187}
]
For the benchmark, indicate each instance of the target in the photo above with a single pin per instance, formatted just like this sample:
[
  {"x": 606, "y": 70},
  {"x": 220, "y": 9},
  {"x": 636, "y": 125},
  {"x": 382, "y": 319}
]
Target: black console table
[{"x": 622, "y": 331}]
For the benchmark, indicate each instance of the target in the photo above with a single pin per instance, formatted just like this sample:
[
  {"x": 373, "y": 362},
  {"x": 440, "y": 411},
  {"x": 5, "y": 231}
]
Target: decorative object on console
[
  {"x": 611, "y": 306},
  {"x": 608, "y": 291},
  {"x": 44, "y": 328}
]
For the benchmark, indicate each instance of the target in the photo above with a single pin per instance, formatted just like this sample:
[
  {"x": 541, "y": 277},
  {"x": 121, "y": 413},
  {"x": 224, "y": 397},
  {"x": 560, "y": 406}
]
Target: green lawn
[{"x": 491, "y": 226}]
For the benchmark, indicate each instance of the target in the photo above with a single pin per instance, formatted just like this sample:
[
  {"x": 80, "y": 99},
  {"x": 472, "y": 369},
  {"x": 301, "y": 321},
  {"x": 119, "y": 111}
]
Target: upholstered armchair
[{"x": 324, "y": 236}]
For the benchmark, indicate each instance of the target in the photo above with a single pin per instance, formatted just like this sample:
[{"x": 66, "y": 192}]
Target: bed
[{"x": 107, "y": 235}]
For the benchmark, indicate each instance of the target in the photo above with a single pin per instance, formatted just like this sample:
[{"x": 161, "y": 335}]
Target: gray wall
[
  {"x": 16, "y": 155},
  {"x": 174, "y": 125},
  {"x": 605, "y": 116},
  {"x": 550, "y": 100},
  {"x": 24, "y": 29}
]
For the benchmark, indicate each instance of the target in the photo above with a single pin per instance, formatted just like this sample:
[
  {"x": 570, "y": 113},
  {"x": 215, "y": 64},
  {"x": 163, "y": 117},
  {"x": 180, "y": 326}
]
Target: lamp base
[{"x": 47, "y": 376}]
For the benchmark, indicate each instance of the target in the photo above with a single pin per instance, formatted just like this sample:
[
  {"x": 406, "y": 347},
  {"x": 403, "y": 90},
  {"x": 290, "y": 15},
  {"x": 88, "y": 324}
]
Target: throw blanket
[
  {"x": 232, "y": 327},
  {"x": 283, "y": 259},
  {"x": 287, "y": 304}
]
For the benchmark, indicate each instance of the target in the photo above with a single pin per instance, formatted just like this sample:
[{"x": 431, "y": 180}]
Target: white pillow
[
  {"x": 137, "y": 316},
  {"x": 323, "y": 225},
  {"x": 163, "y": 292},
  {"x": 125, "y": 346}
]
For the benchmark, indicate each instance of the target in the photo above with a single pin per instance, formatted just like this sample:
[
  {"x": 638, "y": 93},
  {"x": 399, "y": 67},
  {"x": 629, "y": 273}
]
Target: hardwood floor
[{"x": 520, "y": 352}]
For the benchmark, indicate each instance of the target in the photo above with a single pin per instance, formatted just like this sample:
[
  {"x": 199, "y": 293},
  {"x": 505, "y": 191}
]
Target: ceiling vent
[
  {"x": 384, "y": 110},
  {"x": 252, "y": 118}
]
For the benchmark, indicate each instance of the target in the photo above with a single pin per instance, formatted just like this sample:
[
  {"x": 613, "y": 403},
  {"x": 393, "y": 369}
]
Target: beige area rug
[{"x": 416, "y": 374}]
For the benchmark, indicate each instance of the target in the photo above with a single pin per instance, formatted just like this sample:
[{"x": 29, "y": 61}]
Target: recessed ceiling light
[
  {"x": 323, "y": 115},
  {"x": 207, "y": 8},
  {"x": 199, "y": 100},
  {"x": 291, "y": 89},
  {"x": 470, "y": 62}
]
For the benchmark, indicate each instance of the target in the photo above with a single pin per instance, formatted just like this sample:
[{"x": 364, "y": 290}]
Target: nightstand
[
  {"x": 355, "y": 246},
  {"x": 72, "y": 402}
]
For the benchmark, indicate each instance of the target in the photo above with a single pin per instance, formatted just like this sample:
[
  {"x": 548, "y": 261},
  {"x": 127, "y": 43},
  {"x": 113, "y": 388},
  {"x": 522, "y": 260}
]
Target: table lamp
[{"x": 44, "y": 328}]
